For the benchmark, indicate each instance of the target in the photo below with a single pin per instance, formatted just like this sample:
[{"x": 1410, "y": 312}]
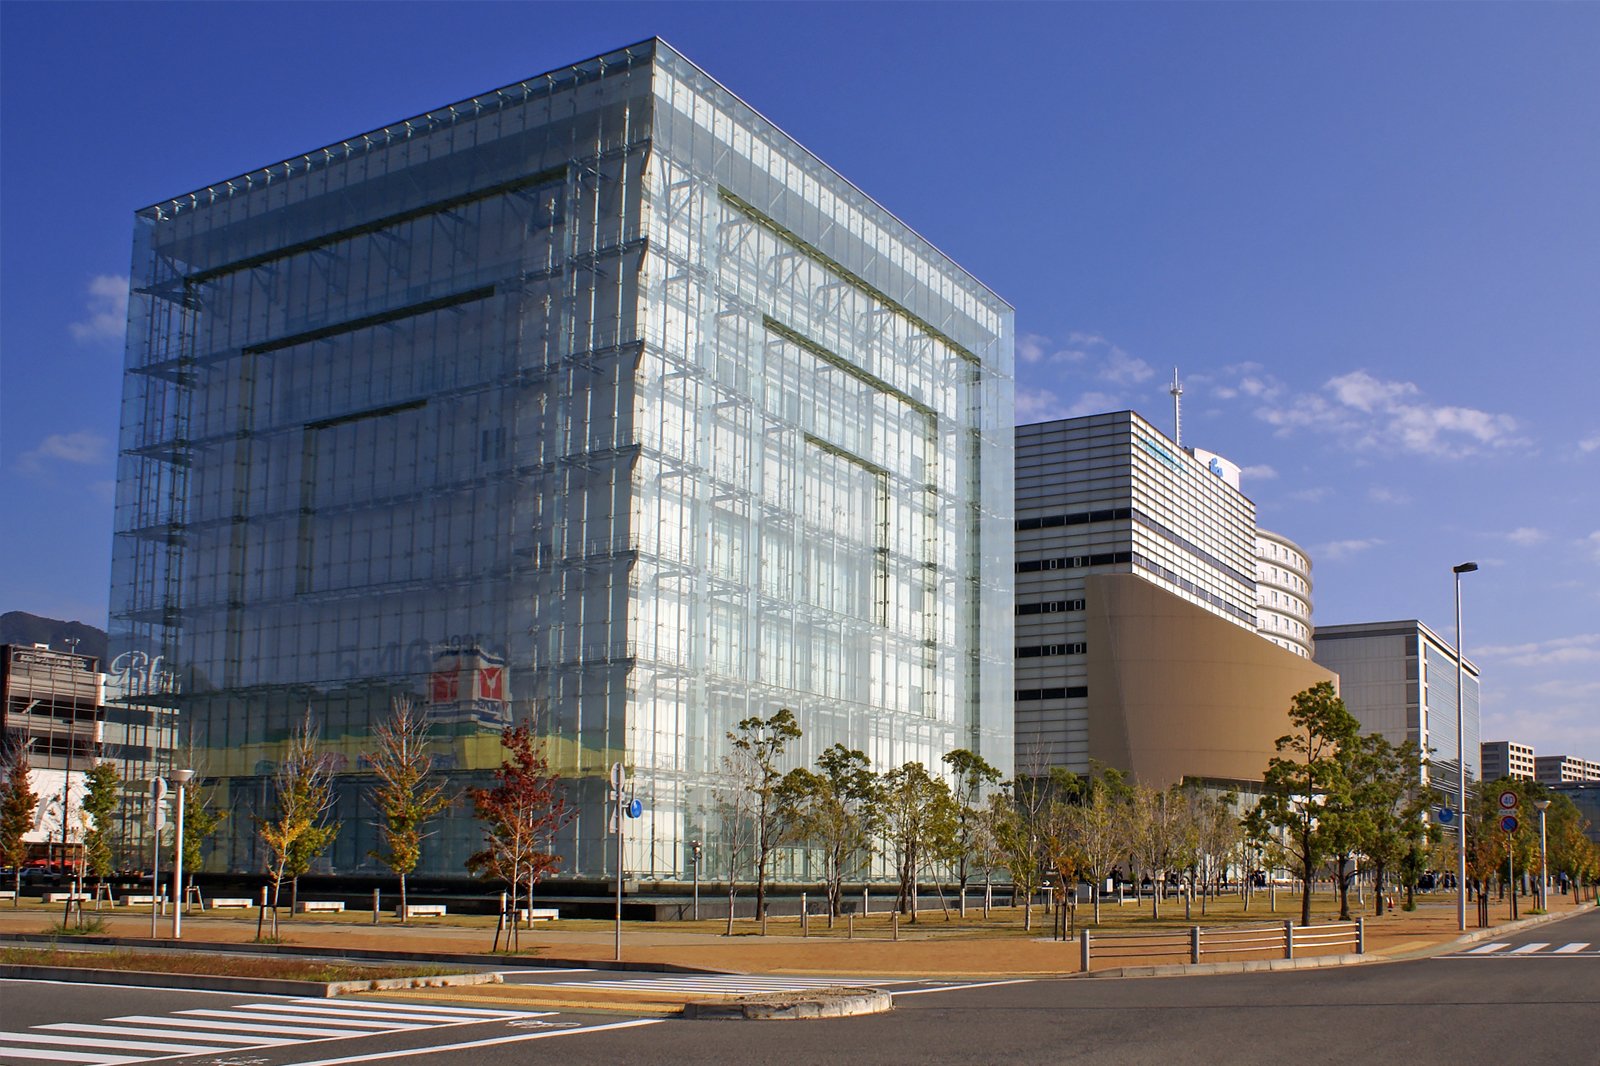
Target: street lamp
[
  {"x": 1544, "y": 880},
  {"x": 179, "y": 778},
  {"x": 694, "y": 847},
  {"x": 158, "y": 789},
  {"x": 1461, "y": 756}
]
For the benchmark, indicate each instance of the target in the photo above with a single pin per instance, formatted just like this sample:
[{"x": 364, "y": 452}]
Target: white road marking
[
  {"x": 238, "y": 1027},
  {"x": 115, "y": 1045},
  {"x": 410, "y": 1053},
  {"x": 1488, "y": 949},
  {"x": 960, "y": 988},
  {"x": 1569, "y": 949},
  {"x": 370, "y": 1015},
  {"x": 720, "y": 984},
  {"x": 375, "y": 1004},
  {"x": 291, "y": 1019},
  {"x": 1528, "y": 949},
  {"x": 180, "y": 1034},
  {"x": 63, "y": 1056},
  {"x": 580, "y": 969}
]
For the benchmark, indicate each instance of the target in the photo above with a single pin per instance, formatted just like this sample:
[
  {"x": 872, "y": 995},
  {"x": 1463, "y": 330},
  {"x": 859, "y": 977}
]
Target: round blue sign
[
  {"x": 1509, "y": 823},
  {"x": 1446, "y": 815},
  {"x": 635, "y": 809}
]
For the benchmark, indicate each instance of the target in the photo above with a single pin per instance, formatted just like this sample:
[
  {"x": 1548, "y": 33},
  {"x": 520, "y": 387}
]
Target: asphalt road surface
[{"x": 1533, "y": 999}]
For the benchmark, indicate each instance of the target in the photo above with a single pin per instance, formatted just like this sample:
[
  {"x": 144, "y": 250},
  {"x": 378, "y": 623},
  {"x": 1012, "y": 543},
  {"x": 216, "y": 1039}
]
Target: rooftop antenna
[{"x": 1177, "y": 409}]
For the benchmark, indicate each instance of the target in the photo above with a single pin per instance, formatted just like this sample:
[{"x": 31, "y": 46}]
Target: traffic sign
[
  {"x": 1446, "y": 815},
  {"x": 1509, "y": 823},
  {"x": 1508, "y": 800},
  {"x": 616, "y": 776},
  {"x": 635, "y": 809}
]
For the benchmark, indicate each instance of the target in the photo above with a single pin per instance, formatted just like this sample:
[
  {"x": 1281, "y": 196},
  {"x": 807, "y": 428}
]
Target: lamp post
[
  {"x": 1544, "y": 904},
  {"x": 158, "y": 789},
  {"x": 179, "y": 778},
  {"x": 694, "y": 847},
  {"x": 1461, "y": 757}
]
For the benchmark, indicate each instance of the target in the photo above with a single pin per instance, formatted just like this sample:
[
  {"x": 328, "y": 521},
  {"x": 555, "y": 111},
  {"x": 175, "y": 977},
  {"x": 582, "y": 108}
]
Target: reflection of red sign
[
  {"x": 491, "y": 683},
  {"x": 446, "y": 684}
]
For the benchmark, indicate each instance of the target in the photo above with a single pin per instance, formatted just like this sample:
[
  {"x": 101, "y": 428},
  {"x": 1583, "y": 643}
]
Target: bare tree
[
  {"x": 762, "y": 741},
  {"x": 408, "y": 794},
  {"x": 301, "y": 829},
  {"x": 735, "y": 799}
]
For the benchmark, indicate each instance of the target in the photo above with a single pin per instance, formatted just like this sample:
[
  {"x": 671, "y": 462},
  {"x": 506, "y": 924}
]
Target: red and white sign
[{"x": 1508, "y": 800}]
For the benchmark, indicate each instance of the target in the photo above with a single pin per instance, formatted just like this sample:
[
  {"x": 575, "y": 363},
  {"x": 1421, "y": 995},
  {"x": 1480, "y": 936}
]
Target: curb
[
  {"x": 1518, "y": 925},
  {"x": 845, "y": 1004},
  {"x": 261, "y": 986},
  {"x": 1309, "y": 962}
]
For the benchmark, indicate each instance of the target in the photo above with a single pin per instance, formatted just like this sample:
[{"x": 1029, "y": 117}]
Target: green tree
[
  {"x": 1388, "y": 789},
  {"x": 200, "y": 823},
  {"x": 835, "y": 809},
  {"x": 300, "y": 830},
  {"x": 919, "y": 822},
  {"x": 18, "y": 802},
  {"x": 761, "y": 742},
  {"x": 1100, "y": 824},
  {"x": 1306, "y": 776},
  {"x": 973, "y": 778},
  {"x": 408, "y": 794},
  {"x": 1155, "y": 837},
  {"x": 100, "y": 799}
]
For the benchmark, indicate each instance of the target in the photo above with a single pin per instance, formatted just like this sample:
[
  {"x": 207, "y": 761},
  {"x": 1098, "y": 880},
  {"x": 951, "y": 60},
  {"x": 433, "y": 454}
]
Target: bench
[
  {"x": 307, "y": 906},
  {"x": 537, "y": 914},
  {"x": 239, "y": 902},
  {"x": 63, "y": 897},
  {"x": 8, "y": 893},
  {"x": 138, "y": 901},
  {"x": 420, "y": 910}
]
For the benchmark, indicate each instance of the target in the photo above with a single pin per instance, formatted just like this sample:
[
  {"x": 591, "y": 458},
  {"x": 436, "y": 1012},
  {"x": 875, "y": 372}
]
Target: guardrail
[{"x": 1192, "y": 945}]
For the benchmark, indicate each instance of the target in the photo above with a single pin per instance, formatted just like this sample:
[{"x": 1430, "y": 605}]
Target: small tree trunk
[{"x": 404, "y": 915}]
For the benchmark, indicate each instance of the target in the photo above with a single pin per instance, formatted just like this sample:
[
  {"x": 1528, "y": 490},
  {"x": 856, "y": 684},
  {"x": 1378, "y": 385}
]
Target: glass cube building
[{"x": 594, "y": 401}]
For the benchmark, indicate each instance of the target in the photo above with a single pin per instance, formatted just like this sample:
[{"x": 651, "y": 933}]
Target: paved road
[{"x": 1514, "y": 1004}]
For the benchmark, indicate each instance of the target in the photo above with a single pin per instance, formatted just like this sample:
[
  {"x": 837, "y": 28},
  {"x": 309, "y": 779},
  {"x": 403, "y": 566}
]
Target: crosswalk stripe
[
  {"x": 237, "y": 1027},
  {"x": 63, "y": 1056},
  {"x": 1488, "y": 949},
  {"x": 217, "y": 1039},
  {"x": 375, "y": 1004},
  {"x": 332, "y": 1013},
  {"x": 261, "y": 1015},
  {"x": 1528, "y": 949},
  {"x": 1570, "y": 949},
  {"x": 115, "y": 1045}
]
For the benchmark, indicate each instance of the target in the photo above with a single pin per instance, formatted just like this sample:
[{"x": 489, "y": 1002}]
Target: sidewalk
[{"x": 933, "y": 948}]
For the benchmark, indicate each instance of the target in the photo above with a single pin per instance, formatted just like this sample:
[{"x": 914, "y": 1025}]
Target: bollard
[
  {"x": 851, "y": 933},
  {"x": 1288, "y": 940},
  {"x": 866, "y": 901},
  {"x": 1194, "y": 944},
  {"x": 805, "y": 916},
  {"x": 894, "y": 925},
  {"x": 764, "y": 908},
  {"x": 1083, "y": 951},
  {"x": 376, "y": 904},
  {"x": 1361, "y": 931}
]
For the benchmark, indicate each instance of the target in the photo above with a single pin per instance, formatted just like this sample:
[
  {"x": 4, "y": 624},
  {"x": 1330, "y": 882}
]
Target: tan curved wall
[{"x": 1177, "y": 691}]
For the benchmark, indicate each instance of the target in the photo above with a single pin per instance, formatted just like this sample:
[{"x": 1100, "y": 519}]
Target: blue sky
[{"x": 1369, "y": 236}]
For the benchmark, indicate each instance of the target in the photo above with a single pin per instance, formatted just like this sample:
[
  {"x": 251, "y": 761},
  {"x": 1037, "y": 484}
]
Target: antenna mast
[{"x": 1177, "y": 409}]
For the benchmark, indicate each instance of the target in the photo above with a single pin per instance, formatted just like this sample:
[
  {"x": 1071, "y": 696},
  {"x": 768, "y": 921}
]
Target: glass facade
[{"x": 595, "y": 401}]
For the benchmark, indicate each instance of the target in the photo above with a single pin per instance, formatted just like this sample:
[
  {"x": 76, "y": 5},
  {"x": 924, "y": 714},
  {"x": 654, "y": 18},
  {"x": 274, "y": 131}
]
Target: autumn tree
[
  {"x": 1305, "y": 776},
  {"x": 102, "y": 794},
  {"x": 1154, "y": 829},
  {"x": 973, "y": 777},
  {"x": 200, "y": 822},
  {"x": 302, "y": 828},
  {"x": 1100, "y": 824},
  {"x": 408, "y": 794},
  {"x": 834, "y": 809},
  {"x": 521, "y": 815},
  {"x": 761, "y": 742},
  {"x": 18, "y": 802}
]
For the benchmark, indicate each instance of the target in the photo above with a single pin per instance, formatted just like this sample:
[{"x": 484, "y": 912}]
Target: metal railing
[{"x": 1195, "y": 943}]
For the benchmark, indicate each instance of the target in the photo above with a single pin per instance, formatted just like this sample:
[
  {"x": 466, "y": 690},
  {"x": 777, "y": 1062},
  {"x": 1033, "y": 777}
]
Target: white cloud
[
  {"x": 1258, "y": 473},
  {"x": 1120, "y": 368},
  {"x": 1335, "y": 550},
  {"x": 1311, "y": 495},
  {"x": 1592, "y": 542},
  {"x": 1582, "y": 648},
  {"x": 1526, "y": 536},
  {"x": 1031, "y": 347},
  {"x": 1038, "y": 405},
  {"x": 1368, "y": 412},
  {"x": 1379, "y": 494},
  {"x": 1589, "y": 444},
  {"x": 83, "y": 447},
  {"x": 105, "y": 310}
]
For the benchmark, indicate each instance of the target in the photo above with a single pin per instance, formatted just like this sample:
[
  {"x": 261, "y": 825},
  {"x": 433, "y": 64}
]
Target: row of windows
[
  {"x": 1073, "y": 692},
  {"x": 1074, "y": 562},
  {"x": 1082, "y": 518},
  {"x": 1038, "y": 650},
  {"x": 1050, "y": 607},
  {"x": 1195, "y": 590}
]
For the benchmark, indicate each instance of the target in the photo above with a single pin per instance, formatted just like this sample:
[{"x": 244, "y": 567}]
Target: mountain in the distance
[{"x": 20, "y": 627}]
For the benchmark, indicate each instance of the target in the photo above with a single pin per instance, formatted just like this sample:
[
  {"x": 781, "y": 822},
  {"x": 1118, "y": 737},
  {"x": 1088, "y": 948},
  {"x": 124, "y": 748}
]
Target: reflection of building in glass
[
  {"x": 1399, "y": 679},
  {"x": 599, "y": 399},
  {"x": 1136, "y": 642}
]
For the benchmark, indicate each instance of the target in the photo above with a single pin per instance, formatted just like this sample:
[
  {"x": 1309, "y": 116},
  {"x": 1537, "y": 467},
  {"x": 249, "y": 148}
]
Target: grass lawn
[{"x": 214, "y": 965}]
